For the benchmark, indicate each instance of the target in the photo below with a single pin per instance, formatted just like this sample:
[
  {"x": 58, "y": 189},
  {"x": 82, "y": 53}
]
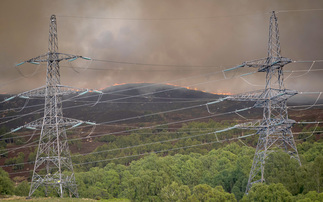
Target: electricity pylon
[
  {"x": 53, "y": 165},
  {"x": 274, "y": 128}
]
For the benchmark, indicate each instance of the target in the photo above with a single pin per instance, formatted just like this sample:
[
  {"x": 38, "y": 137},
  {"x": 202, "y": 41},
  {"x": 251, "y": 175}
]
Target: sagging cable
[
  {"x": 313, "y": 131},
  {"x": 243, "y": 142},
  {"x": 31, "y": 136},
  {"x": 305, "y": 72},
  {"x": 29, "y": 75},
  {"x": 99, "y": 97},
  {"x": 240, "y": 115},
  {"x": 317, "y": 99},
  {"x": 92, "y": 130},
  {"x": 26, "y": 102},
  {"x": 245, "y": 80}
]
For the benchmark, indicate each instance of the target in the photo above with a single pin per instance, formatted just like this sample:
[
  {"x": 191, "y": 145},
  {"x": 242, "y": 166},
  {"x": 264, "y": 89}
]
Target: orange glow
[
  {"x": 170, "y": 84},
  {"x": 228, "y": 93},
  {"x": 189, "y": 88},
  {"x": 118, "y": 84}
]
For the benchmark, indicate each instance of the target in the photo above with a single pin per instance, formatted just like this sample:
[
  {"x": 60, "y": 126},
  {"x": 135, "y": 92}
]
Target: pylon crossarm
[
  {"x": 260, "y": 96},
  {"x": 249, "y": 96},
  {"x": 252, "y": 125},
  {"x": 62, "y": 121},
  {"x": 68, "y": 122},
  {"x": 264, "y": 63},
  {"x": 53, "y": 57},
  {"x": 63, "y": 90},
  {"x": 66, "y": 90},
  {"x": 70, "y": 57},
  {"x": 34, "y": 125},
  {"x": 260, "y": 124},
  {"x": 36, "y": 60},
  {"x": 256, "y": 63},
  {"x": 35, "y": 93}
]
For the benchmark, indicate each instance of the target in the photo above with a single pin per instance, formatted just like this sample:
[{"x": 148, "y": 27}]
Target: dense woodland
[{"x": 166, "y": 167}]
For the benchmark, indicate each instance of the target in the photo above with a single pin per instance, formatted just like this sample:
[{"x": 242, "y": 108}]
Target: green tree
[
  {"x": 280, "y": 168},
  {"x": 318, "y": 173},
  {"x": 206, "y": 193},
  {"x": 111, "y": 182},
  {"x": 175, "y": 192},
  {"x": 264, "y": 192},
  {"x": 6, "y": 185},
  {"x": 310, "y": 196},
  {"x": 314, "y": 175},
  {"x": 22, "y": 189}
]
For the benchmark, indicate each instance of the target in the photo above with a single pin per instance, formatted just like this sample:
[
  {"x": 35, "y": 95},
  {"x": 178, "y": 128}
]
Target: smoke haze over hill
[{"x": 189, "y": 37}]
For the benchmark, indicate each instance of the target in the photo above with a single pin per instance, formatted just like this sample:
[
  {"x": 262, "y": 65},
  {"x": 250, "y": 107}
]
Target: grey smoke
[{"x": 219, "y": 33}]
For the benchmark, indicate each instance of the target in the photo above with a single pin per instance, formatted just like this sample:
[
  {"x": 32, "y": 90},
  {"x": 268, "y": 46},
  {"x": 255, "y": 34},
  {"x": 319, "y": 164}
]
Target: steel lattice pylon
[
  {"x": 53, "y": 167},
  {"x": 275, "y": 128}
]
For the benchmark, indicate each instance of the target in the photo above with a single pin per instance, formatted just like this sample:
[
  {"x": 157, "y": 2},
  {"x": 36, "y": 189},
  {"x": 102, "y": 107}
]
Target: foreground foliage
[{"x": 211, "y": 172}]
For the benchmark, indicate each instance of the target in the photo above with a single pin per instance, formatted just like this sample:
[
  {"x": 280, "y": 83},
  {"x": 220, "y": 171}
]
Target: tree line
[{"x": 214, "y": 172}]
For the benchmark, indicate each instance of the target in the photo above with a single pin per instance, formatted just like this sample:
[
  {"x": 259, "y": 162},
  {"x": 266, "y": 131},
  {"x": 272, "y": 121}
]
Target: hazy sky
[{"x": 197, "y": 37}]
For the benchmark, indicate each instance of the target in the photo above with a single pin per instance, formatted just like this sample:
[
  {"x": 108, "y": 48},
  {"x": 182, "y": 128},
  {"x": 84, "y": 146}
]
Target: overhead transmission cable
[
  {"x": 128, "y": 147},
  {"x": 160, "y": 151},
  {"x": 140, "y": 95},
  {"x": 163, "y": 91},
  {"x": 185, "y": 18},
  {"x": 239, "y": 137},
  {"x": 222, "y": 71},
  {"x": 122, "y": 91},
  {"x": 173, "y": 110},
  {"x": 141, "y": 128}
]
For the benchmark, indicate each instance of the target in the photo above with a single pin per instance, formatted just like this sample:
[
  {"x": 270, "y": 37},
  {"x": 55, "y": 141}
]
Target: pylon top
[{"x": 53, "y": 18}]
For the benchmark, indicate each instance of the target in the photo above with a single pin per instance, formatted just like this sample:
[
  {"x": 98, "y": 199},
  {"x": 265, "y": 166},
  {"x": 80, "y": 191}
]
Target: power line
[
  {"x": 140, "y": 95},
  {"x": 160, "y": 19},
  {"x": 129, "y": 147},
  {"x": 142, "y": 128},
  {"x": 185, "y": 18},
  {"x": 177, "y": 109},
  {"x": 240, "y": 137},
  {"x": 139, "y": 146},
  {"x": 300, "y": 10}
]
